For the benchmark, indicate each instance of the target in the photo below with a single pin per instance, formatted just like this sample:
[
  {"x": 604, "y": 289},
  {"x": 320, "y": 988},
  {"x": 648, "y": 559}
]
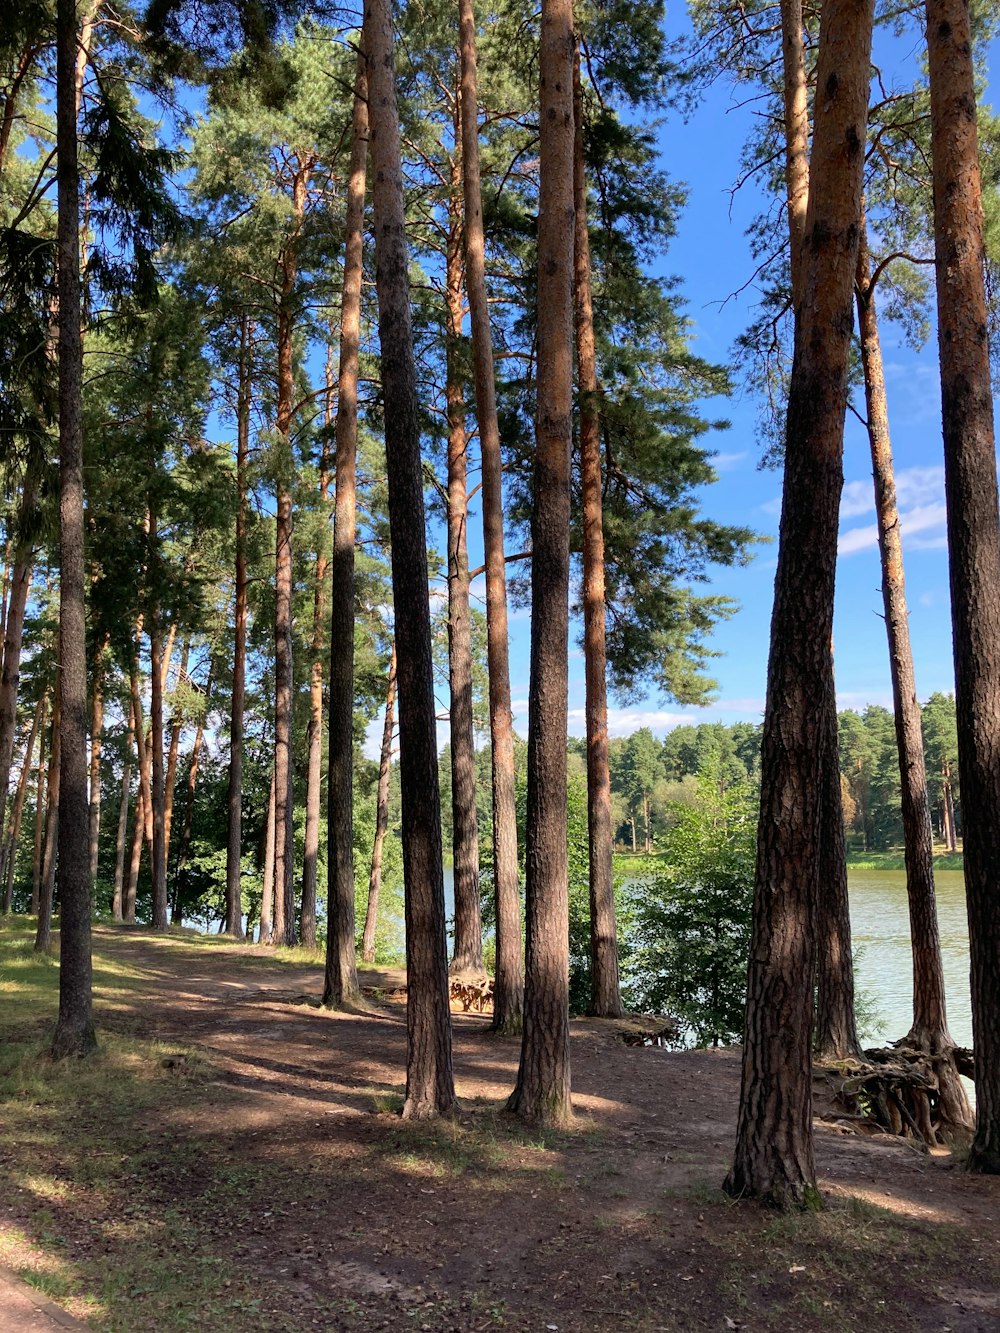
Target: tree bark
[
  {"x": 973, "y": 529},
  {"x": 314, "y": 731},
  {"x": 773, "y": 1160},
  {"x": 509, "y": 981},
  {"x": 176, "y": 727},
  {"x": 542, "y": 1091},
  {"x": 36, "y": 871},
  {"x": 96, "y": 734},
  {"x": 267, "y": 883},
  {"x": 340, "y": 983},
  {"x": 468, "y": 955},
  {"x": 381, "y": 816},
  {"x": 929, "y": 1031},
  {"x": 43, "y": 933},
  {"x": 38, "y": 721},
  {"x": 430, "y": 1088},
  {"x": 836, "y": 1033},
  {"x": 284, "y": 680},
  {"x": 605, "y": 990},
  {"x": 158, "y": 864},
  {"x": 13, "y": 634},
  {"x": 234, "y": 802},
  {"x": 116, "y": 902},
  {"x": 74, "y": 1032},
  {"x": 194, "y": 763}
]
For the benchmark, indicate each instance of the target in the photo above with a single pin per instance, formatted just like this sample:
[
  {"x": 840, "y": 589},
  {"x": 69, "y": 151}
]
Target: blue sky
[{"x": 711, "y": 254}]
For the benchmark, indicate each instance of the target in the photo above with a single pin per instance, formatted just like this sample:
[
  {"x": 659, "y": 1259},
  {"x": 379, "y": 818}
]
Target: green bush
[{"x": 688, "y": 926}]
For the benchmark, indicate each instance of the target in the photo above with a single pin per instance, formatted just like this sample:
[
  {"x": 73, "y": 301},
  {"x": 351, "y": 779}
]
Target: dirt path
[
  {"x": 25, "y": 1310},
  {"x": 323, "y": 1210}
]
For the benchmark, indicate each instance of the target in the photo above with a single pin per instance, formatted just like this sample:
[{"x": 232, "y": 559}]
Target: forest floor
[{"x": 232, "y": 1161}]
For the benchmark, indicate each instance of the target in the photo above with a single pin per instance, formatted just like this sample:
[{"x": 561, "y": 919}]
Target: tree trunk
[
  {"x": 542, "y": 1091},
  {"x": 973, "y": 529},
  {"x": 340, "y": 984},
  {"x": 267, "y": 884},
  {"x": 74, "y": 1032},
  {"x": 430, "y": 1088},
  {"x": 116, "y": 902},
  {"x": 948, "y": 803},
  {"x": 38, "y": 721},
  {"x": 184, "y": 848},
  {"x": 36, "y": 870},
  {"x": 836, "y": 1035},
  {"x": 509, "y": 982},
  {"x": 930, "y": 1020},
  {"x": 96, "y": 733},
  {"x": 381, "y": 816},
  {"x": 176, "y": 727},
  {"x": 43, "y": 934},
  {"x": 12, "y": 640},
  {"x": 774, "y": 1150},
  {"x": 234, "y": 843},
  {"x": 135, "y": 859},
  {"x": 314, "y": 731},
  {"x": 605, "y": 991},
  {"x": 284, "y": 681},
  {"x": 468, "y": 955}
]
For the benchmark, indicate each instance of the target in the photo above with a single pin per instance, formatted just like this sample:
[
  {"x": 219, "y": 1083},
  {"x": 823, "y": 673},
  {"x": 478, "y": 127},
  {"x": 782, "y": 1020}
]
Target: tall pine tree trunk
[
  {"x": 836, "y": 1032},
  {"x": 605, "y": 992},
  {"x": 509, "y": 982},
  {"x": 173, "y": 755},
  {"x": 43, "y": 933},
  {"x": 468, "y": 955},
  {"x": 36, "y": 869},
  {"x": 314, "y": 731},
  {"x": 542, "y": 1091},
  {"x": 773, "y": 1160},
  {"x": 929, "y": 1031},
  {"x": 430, "y": 1088},
  {"x": 381, "y": 816},
  {"x": 74, "y": 1032},
  {"x": 96, "y": 739},
  {"x": 234, "y": 799},
  {"x": 973, "y": 528},
  {"x": 340, "y": 983},
  {"x": 38, "y": 721},
  {"x": 120, "y": 837},
  {"x": 266, "y": 934},
  {"x": 284, "y": 680},
  {"x": 13, "y": 634}
]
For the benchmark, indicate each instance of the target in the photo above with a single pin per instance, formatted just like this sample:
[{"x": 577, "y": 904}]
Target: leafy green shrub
[{"x": 688, "y": 926}]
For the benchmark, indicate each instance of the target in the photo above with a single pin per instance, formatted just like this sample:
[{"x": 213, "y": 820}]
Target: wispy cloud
[
  {"x": 920, "y": 496},
  {"x": 728, "y": 462}
]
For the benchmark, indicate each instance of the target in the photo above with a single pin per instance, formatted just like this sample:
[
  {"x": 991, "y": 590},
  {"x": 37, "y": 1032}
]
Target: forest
[{"x": 339, "y": 360}]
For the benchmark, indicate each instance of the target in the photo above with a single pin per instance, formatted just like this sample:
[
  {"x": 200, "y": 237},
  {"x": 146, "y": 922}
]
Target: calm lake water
[{"x": 881, "y": 930}]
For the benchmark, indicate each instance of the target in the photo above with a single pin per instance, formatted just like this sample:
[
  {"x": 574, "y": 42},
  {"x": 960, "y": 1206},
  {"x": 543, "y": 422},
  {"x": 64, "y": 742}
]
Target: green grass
[
  {"x": 894, "y": 860},
  {"x": 637, "y": 864}
]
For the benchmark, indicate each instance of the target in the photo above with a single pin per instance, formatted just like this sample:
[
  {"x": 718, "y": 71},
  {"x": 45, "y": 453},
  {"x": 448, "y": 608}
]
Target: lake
[{"x": 881, "y": 929}]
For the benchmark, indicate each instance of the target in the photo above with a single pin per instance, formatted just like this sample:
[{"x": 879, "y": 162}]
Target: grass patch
[{"x": 894, "y": 860}]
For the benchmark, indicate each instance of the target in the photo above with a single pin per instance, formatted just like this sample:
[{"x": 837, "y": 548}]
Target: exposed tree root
[{"x": 905, "y": 1091}]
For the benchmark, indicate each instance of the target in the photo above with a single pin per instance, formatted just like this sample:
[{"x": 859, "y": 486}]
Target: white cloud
[
  {"x": 727, "y": 462},
  {"x": 923, "y": 519}
]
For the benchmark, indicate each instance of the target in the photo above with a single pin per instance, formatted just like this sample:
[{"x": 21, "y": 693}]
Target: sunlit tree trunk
[
  {"x": 340, "y": 983},
  {"x": 929, "y": 1031},
  {"x": 973, "y": 528},
  {"x": 234, "y": 799},
  {"x": 381, "y": 816},
  {"x": 468, "y": 955},
  {"x": 43, "y": 933},
  {"x": 38, "y": 721},
  {"x": 267, "y": 883},
  {"x": 173, "y": 755},
  {"x": 120, "y": 839},
  {"x": 430, "y": 1086},
  {"x": 96, "y": 739},
  {"x": 509, "y": 980},
  {"x": 36, "y": 870},
  {"x": 605, "y": 994},
  {"x": 542, "y": 1091}
]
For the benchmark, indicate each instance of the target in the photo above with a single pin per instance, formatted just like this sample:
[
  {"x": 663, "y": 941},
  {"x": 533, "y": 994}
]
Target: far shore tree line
[{"x": 411, "y": 249}]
